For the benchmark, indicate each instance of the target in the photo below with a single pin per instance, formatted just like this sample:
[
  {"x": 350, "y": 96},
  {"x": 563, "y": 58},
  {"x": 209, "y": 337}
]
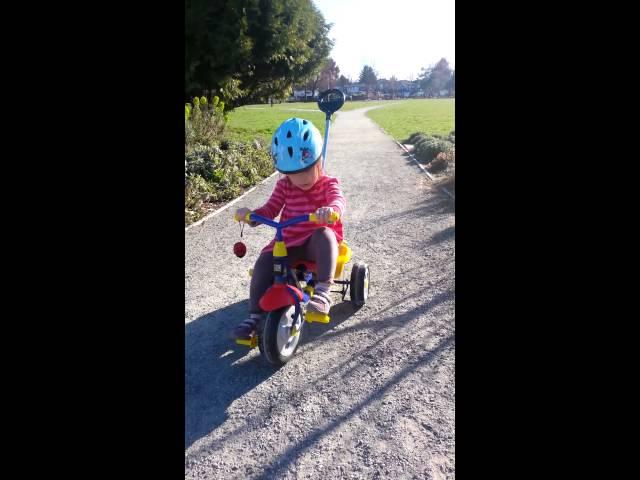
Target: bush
[
  {"x": 414, "y": 137},
  {"x": 422, "y": 141},
  {"x": 215, "y": 175},
  {"x": 216, "y": 169},
  {"x": 440, "y": 163},
  {"x": 205, "y": 122},
  {"x": 418, "y": 137},
  {"x": 429, "y": 148},
  {"x": 196, "y": 191},
  {"x": 439, "y": 153}
]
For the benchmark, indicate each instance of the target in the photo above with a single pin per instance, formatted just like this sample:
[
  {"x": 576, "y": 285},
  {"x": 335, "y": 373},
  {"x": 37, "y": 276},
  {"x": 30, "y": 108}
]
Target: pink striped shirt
[{"x": 325, "y": 193}]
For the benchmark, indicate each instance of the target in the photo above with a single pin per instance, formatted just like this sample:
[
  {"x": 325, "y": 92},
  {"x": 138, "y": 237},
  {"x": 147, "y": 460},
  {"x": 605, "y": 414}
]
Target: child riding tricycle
[{"x": 292, "y": 276}]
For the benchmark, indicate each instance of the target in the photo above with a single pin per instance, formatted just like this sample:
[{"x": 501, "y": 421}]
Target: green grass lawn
[
  {"x": 260, "y": 121},
  {"x": 295, "y": 106},
  {"x": 398, "y": 117},
  {"x": 416, "y": 115}
]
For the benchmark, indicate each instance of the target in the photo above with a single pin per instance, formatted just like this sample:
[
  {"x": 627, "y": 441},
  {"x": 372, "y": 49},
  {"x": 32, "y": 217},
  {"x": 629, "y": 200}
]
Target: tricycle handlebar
[{"x": 312, "y": 217}]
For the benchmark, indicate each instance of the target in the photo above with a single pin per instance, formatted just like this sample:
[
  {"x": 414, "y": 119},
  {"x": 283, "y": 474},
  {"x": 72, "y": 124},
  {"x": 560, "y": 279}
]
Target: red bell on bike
[{"x": 240, "y": 249}]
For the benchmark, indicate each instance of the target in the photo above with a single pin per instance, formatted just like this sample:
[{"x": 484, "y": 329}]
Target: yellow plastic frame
[{"x": 344, "y": 255}]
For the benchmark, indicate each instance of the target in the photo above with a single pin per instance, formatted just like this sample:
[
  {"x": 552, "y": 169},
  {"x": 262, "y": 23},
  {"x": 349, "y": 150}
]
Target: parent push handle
[{"x": 329, "y": 101}]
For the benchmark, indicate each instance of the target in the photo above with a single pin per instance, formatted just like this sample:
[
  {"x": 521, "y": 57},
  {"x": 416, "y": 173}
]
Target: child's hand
[
  {"x": 241, "y": 213},
  {"x": 323, "y": 214}
]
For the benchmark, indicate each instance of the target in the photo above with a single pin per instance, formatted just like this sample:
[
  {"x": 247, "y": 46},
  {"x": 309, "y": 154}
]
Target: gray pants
[{"x": 321, "y": 248}]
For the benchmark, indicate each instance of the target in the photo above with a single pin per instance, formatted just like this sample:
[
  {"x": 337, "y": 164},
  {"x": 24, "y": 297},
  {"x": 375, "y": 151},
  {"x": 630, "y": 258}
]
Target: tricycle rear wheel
[{"x": 359, "y": 287}]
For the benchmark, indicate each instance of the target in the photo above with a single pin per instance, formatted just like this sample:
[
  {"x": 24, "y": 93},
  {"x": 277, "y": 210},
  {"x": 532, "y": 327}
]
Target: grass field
[
  {"x": 295, "y": 106},
  {"x": 408, "y": 116},
  {"x": 260, "y": 121},
  {"x": 400, "y": 118},
  {"x": 249, "y": 123}
]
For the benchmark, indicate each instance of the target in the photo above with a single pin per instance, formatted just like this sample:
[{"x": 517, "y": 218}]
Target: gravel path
[{"x": 370, "y": 395}]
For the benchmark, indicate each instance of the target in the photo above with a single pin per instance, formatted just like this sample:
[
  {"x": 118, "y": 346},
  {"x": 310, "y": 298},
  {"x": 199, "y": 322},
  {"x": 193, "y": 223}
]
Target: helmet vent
[
  {"x": 304, "y": 122},
  {"x": 306, "y": 135},
  {"x": 276, "y": 140},
  {"x": 289, "y": 134},
  {"x": 290, "y": 149}
]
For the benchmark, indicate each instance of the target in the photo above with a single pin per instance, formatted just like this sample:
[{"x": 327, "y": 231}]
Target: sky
[{"x": 395, "y": 37}]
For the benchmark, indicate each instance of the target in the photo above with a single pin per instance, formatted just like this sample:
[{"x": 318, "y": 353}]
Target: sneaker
[
  {"x": 320, "y": 302},
  {"x": 248, "y": 327}
]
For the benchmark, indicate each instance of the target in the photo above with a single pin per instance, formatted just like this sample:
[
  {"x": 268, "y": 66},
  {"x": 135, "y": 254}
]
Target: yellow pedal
[
  {"x": 251, "y": 272},
  {"x": 316, "y": 317},
  {"x": 251, "y": 343}
]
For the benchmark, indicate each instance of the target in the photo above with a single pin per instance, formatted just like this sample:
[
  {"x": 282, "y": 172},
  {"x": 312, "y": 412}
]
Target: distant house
[
  {"x": 354, "y": 89},
  {"x": 406, "y": 89},
  {"x": 383, "y": 89},
  {"x": 384, "y": 86}
]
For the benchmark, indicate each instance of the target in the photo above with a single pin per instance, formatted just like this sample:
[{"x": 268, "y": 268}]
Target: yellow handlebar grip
[
  {"x": 247, "y": 217},
  {"x": 334, "y": 217}
]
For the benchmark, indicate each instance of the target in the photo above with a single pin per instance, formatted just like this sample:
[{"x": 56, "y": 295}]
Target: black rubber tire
[
  {"x": 268, "y": 340},
  {"x": 359, "y": 289}
]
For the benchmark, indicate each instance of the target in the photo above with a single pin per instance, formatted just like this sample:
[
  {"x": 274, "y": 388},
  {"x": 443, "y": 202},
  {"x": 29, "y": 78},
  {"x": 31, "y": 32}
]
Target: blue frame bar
[
  {"x": 278, "y": 226},
  {"x": 267, "y": 221},
  {"x": 294, "y": 220}
]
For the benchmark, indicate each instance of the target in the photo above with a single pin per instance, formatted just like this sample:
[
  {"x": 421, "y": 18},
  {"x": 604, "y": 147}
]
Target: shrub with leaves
[
  {"x": 429, "y": 148},
  {"x": 205, "y": 121},
  {"x": 214, "y": 174},
  {"x": 196, "y": 192},
  {"x": 439, "y": 153},
  {"x": 440, "y": 163},
  {"x": 414, "y": 137}
]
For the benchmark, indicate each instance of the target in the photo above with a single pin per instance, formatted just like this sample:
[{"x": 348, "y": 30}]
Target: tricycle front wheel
[{"x": 279, "y": 339}]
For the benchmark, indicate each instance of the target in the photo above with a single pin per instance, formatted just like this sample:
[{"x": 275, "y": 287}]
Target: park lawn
[
  {"x": 400, "y": 118},
  {"x": 362, "y": 104},
  {"x": 248, "y": 123},
  {"x": 295, "y": 106},
  {"x": 405, "y": 117},
  {"x": 260, "y": 121}
]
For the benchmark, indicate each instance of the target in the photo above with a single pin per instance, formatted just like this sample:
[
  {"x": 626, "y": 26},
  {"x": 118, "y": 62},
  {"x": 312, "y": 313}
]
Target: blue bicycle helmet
[{"x": 296, "y": 146}]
